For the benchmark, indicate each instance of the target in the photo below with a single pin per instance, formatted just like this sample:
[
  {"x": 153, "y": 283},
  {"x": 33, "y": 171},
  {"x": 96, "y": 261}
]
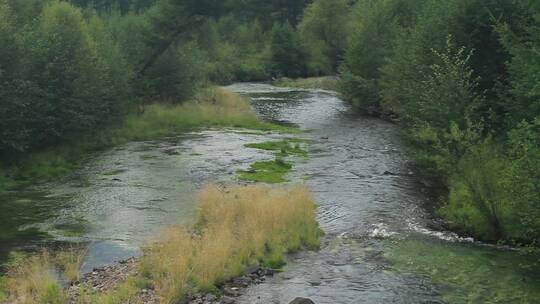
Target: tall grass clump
[
  {"x": 236, "y": 228},
  {"x": 39, "y": 278},
  {"x": 34, "y": 280}
]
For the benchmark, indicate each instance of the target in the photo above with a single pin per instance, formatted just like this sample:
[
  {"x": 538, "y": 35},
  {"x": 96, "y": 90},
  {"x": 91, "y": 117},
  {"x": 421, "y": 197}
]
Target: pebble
[{"x": 108, "y": 277}]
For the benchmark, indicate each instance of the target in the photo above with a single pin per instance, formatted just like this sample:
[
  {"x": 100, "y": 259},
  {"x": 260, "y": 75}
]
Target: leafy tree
[
  {"x": 267, "y": 12},
  {"x": 68, "y": 91},
  {"x": 176, "y": 74},
  {"x": 287, "y": 54},
  {"x": 324, "y": 30},
  {"x": 520, "y": 183},
  {"x": 524, "y": 69},
  {"x": 377, "y": 25},
  {"x": 13, "y": 133}
]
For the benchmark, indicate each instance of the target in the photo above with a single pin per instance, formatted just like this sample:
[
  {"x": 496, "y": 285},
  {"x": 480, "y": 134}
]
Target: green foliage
[
  {"x": 463, "y": 77},
  {"x": 67, "y": 78},
  {"x": 176, "y": 74},
  {"x": 288, "y": 56},
  {"x": 470, "y": 274},
  {"x": 267, "y": 12},
  {"x": 67, "y": 75},
  {"x": 324, "y": 31},
  {"x": 476, "y": 202},
  {"x": 447, "y": 93},
  {"x": 524, "y": 70},
  {"x": 376, "y": 26},
  {"x": 12, "y": 134},
  {"x": 521, "y": 180},
  {"x": 237, "y": 51}
]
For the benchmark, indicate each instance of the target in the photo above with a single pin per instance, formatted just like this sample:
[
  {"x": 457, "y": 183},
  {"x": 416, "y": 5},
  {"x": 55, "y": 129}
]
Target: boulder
[{"x": 302, "y": 301}]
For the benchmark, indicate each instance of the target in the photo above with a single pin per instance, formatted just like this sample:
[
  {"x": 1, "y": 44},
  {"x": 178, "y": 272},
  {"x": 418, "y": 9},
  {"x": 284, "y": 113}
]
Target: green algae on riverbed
[
  {"x": 469, "y": 273},
  {"x": 25, "y": 208},
  {"x": 291, "y": 146},
  {"x": 271, "y": 172}
]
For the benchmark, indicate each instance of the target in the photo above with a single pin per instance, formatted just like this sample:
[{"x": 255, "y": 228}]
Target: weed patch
[{"x": 271, "y": 172}]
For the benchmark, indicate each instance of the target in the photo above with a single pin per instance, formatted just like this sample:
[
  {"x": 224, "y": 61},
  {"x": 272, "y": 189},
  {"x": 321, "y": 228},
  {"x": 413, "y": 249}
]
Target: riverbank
[
  {"x": 212, "y": 107},
  {"x": 238, "y": 230},
  {"x": 106, "y": 279}
]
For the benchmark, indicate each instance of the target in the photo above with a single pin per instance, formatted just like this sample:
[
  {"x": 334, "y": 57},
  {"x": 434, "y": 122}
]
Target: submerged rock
[{"x": 302, "y": 301}]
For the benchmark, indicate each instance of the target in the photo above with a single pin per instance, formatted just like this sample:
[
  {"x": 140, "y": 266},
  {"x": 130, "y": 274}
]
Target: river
[{"x": 381, "y": 243}]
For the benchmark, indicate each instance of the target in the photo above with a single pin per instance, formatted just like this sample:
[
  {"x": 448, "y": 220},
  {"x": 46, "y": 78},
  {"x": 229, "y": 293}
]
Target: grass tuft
[
  {"x": 38, "y": 278},
  {"x": 34, "y": 280}
]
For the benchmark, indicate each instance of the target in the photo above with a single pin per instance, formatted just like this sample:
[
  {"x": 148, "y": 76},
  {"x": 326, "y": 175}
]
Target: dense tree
[
  {"x": 267, "y": 12},
  {"x": 463, "y": 77},
  {"x": 324, "y": 30},
  {"x": 524, "y": 45},
  {"x": 288, "y": 57},
  {"x": 68, "y": 76},
  {"x": 377, "y": 25},
  {"x": 13, "y": 134}
]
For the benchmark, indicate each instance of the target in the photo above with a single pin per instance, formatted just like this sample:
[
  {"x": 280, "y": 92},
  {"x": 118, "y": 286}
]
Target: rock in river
[{"x": 302, "y": 301}]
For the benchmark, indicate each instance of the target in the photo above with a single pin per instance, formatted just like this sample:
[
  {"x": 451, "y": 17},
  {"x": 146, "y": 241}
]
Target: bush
[
  {"x": 476, "y": 203},
  {"x": 521, "y": 180}
]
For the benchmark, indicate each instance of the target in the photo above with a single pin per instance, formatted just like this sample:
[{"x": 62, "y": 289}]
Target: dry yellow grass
[
  {"x": 69, "y": 262},
  {"x": 34, "y": 280},
  {"x": 237, "y": 228}
]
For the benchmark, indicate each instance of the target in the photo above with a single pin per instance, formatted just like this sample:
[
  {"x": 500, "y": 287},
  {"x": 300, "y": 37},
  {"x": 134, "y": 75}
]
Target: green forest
[{"x": 461, "y": 77}]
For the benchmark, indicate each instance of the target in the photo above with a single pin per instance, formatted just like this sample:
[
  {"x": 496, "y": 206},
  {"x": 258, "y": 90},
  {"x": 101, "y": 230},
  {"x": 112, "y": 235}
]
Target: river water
[{"x": 381, "y": 245}]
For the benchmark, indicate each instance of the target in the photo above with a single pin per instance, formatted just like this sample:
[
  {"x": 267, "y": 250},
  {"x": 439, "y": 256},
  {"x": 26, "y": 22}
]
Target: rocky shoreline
[{"x": 104, "y": 279}]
